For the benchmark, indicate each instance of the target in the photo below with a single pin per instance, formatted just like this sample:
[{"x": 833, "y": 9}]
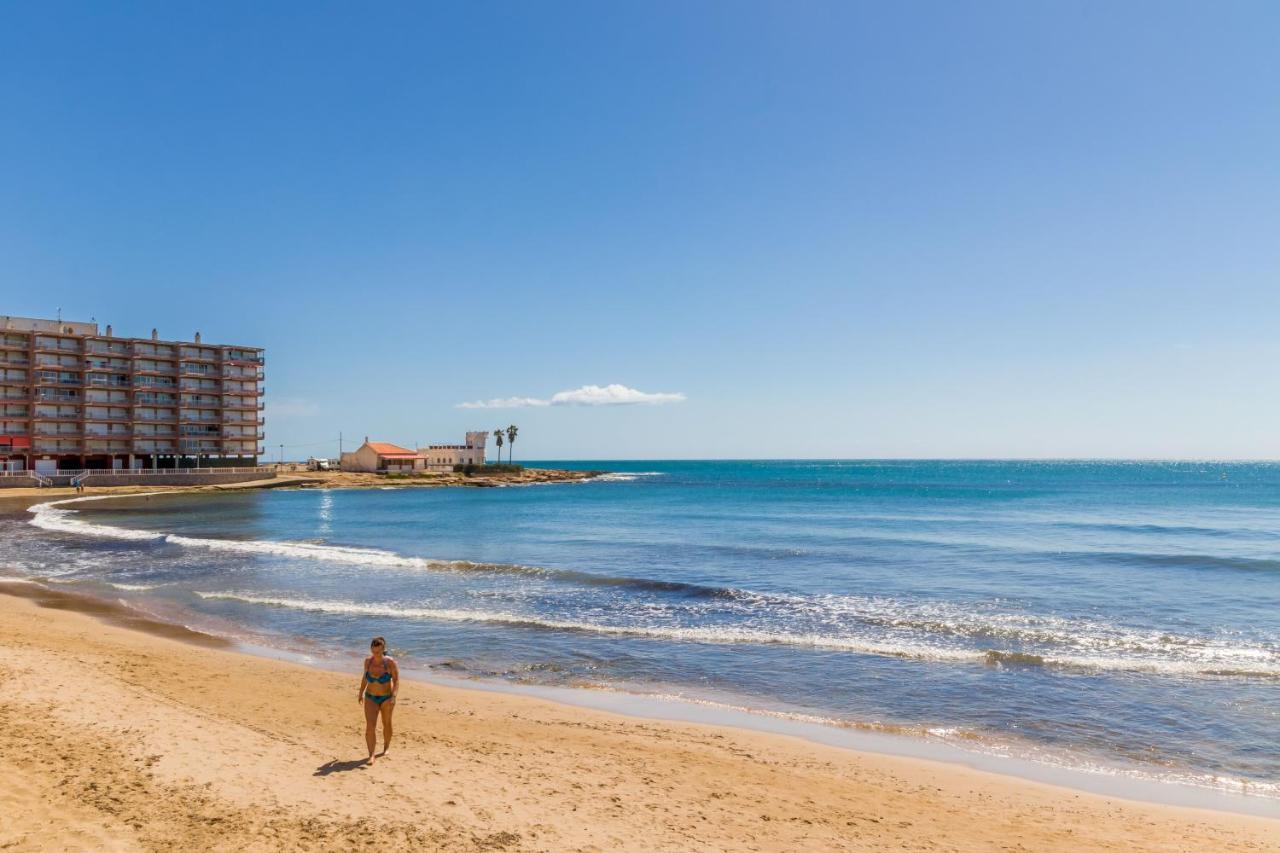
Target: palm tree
[
  {"x": 497, "y": 436},
  {"x": 511, "y": 440}
]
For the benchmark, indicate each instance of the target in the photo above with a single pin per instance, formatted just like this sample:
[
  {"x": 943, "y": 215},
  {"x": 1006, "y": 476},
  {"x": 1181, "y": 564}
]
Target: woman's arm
[
  {"x": 395, "y": 678},
  {"x": 360, "y": 689}
]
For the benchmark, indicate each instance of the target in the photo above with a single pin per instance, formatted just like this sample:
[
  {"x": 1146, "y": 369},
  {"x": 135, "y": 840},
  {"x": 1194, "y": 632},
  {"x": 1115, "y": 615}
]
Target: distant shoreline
[{"x": 319, "y": 480}]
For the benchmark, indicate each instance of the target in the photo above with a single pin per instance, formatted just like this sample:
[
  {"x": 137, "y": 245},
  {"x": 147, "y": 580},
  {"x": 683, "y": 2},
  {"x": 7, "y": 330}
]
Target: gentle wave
[
  {"x": 627, "y": 476},
  {"x": 915, "y": 628},
  {"x": 48, "y": 517},
  {"x": 730, "y": 636},
  {"x": 719, "y": 635}
]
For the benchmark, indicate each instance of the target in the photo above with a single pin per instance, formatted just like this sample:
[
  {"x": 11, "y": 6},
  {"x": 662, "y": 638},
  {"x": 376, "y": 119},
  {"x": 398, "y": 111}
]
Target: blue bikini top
[{"x": 381, "y": 679}]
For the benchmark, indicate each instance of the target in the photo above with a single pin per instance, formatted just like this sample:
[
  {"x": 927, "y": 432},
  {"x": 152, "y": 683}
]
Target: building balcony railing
[
  {"x": 40, "y": 433},
  {"x": 108, "y": 348},
  {"x": 49, "y": 395},
  {"x": 155, "y": 400},
  {"x": 69, "y": 416},
  {"x": 243, "y": 358},
  {"x": 58, "y": 348},
  {"x": 58, "y": 447},
  {"x": 15, "y": 344}
]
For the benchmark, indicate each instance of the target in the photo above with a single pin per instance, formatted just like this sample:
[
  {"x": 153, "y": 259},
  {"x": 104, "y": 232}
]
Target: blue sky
[{"x": 831, "y": 229}]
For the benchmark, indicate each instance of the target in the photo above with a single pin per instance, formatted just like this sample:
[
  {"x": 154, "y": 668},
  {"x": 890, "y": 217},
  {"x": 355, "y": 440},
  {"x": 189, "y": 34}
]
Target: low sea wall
[{"x": 110, "y": 478}]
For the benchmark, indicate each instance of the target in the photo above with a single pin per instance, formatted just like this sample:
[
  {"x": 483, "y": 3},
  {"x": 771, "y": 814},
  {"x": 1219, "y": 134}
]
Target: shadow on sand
[{"x": 336, "y": 766}]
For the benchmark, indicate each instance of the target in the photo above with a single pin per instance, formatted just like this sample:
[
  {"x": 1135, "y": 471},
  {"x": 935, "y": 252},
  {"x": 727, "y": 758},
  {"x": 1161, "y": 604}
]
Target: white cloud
[
  {"x": 504, "y": 403},
  {"x": 611, "y": 395},
  {"x": 587, "y": 395}
]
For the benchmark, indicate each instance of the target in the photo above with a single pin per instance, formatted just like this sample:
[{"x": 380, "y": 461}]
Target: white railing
[
  {"x": 159, "y": 472},
  {"x": 40, "y": 480}
]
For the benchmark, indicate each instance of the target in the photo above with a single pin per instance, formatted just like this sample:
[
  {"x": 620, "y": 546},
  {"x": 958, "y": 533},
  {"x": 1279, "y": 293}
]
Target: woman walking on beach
[{"x": 378, "y": 687}]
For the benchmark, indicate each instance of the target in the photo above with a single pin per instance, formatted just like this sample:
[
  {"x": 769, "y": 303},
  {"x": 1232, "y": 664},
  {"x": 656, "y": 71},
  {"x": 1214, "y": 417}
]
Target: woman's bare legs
[
  {"x": 370, "y": 726},
  {"x": 387, "y": 707}
]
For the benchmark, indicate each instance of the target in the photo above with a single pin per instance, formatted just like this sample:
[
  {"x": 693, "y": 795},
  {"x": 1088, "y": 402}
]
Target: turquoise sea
[{"x": 1117, "y": 616}]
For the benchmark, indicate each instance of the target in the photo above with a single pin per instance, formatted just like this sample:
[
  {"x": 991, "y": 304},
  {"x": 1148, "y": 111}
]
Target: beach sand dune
[{"x": 113, "y": 738}]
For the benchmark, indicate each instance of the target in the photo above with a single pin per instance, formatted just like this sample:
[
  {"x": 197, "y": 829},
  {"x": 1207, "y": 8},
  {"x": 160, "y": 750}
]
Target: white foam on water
[
  {"x": 627, "y": 476},
  {"x": 918, "y": 630},
  {"x": 754, "y": 636}
]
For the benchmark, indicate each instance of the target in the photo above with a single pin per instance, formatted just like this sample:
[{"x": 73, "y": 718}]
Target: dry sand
[{"x": 113, "y": 736}]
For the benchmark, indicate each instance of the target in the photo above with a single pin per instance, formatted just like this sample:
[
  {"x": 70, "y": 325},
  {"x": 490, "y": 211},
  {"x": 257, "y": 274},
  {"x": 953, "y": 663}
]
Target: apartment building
[{"x": 72, "y": 398}]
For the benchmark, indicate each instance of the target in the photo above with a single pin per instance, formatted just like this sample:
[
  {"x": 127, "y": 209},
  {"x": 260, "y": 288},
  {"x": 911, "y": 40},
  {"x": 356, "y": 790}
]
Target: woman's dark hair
[{"x": 378, "y": 641}]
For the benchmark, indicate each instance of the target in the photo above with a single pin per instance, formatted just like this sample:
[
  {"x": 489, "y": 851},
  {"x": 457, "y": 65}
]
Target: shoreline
[
  {"x": 1095, "y": 776},
  {"x": 1111, "y": 781},
  {"x": 319, "y": 480},
  {"x": 233, "y": 738}
]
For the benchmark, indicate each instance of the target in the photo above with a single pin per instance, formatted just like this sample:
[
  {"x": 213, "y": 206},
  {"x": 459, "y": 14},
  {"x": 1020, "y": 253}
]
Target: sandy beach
[{"x": 118, "y": 733}]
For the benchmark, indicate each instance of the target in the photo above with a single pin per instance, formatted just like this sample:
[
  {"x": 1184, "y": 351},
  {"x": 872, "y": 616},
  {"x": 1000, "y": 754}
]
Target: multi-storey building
[{"x": 73, "y": 398}]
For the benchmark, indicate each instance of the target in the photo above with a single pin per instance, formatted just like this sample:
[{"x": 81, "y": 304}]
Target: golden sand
[{"x": 115, "y": 738}]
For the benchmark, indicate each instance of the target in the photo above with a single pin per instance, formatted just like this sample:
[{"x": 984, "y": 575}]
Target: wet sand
[{"x": 118, "y": 732}]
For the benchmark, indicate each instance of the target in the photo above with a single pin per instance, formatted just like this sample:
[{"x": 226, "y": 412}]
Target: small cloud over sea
[{"x": 587, "y": 395}]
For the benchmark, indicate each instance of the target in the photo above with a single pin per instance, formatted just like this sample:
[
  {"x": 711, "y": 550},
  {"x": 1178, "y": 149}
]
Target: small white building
[{"x": 442, "y": 457}]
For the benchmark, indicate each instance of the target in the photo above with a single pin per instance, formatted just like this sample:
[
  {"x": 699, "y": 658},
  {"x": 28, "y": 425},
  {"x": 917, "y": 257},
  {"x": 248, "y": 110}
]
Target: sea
[{"x": 1113, "y": 617}]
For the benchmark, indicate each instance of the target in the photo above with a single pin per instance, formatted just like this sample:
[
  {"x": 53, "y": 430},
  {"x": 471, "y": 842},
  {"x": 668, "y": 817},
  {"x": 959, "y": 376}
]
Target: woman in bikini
[{"x": 378, "y": 687}]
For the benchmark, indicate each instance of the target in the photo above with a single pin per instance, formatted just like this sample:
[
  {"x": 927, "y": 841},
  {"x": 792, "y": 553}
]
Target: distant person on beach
[{"x": 378, "y": 687}]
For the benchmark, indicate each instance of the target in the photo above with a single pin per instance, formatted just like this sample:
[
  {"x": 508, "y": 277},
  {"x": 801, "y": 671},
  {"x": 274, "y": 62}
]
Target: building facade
[
  {"x": 381, "y": 457},
  {"x": 72, "y": 398},
  {"x": 442, "y": 457}
]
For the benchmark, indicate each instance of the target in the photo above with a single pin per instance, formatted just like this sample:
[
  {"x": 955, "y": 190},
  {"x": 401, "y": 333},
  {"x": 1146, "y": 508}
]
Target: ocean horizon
[{"x": 1110, "y": 616}]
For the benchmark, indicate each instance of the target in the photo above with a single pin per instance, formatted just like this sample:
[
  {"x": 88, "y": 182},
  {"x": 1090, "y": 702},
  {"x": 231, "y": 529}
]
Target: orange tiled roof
[{"x": 383, "y": 448}]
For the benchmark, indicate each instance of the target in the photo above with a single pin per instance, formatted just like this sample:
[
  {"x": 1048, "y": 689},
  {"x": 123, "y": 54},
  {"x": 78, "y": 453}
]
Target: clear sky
[{"x": 808, "y": 229}]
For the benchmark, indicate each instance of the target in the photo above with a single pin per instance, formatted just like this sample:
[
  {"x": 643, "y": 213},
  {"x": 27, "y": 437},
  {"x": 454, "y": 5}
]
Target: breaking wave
[
  {"x": 921, "y": 630},
  {"x": 1262, "y": 664}
]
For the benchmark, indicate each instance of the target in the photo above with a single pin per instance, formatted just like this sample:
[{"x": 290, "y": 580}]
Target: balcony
[
  {"x": 11, "y": 343},
  {"x": 58, "y": 447},
  {"x": 59, "y": 347},
  {"x": 153, "y": 447},
  {"x": 107, "y": 348},
  {"x": 242, "y": 357},
  {"x": 60, "y": 416},
  {"x": 155, "y": 400},
  {"x": 46, "y": 395}
]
